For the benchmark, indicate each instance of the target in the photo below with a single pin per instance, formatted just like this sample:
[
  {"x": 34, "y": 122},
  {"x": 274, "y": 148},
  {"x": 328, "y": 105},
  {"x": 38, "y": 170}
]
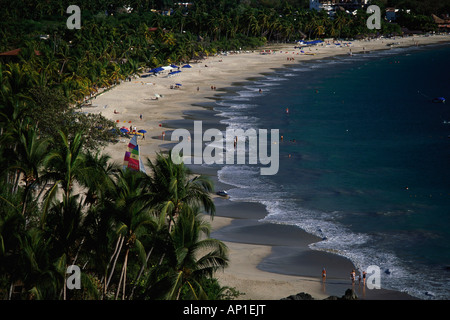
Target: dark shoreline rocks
[{"x": 349, "y": 295}]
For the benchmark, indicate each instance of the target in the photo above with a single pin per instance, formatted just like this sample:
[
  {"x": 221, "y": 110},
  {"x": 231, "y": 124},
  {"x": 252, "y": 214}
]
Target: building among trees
[{"x": 333, "y": 5}]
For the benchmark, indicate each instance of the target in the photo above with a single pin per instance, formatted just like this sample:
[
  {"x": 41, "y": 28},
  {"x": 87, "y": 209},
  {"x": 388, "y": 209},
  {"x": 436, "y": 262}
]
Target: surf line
[{"x": 227, "y": 147}]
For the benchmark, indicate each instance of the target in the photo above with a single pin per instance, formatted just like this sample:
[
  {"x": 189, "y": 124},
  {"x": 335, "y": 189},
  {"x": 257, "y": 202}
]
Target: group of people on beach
[{"x": 352, "y": 276}]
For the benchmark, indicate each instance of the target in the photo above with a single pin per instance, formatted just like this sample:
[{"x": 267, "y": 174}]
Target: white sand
[{"x": 133, "y": 98}]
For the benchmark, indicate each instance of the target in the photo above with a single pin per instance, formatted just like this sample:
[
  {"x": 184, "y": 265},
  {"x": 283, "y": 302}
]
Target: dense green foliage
[
  {"x": 423, "y": 7},
  {"x": 135, "y": 236},
  {"x": 111, "y": 45}
]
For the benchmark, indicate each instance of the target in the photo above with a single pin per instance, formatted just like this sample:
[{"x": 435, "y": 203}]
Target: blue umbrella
[
  {"x": 142, "y": 131},
  {"x": 124, "y": 130},
  {"x": 159, "y": 69}
]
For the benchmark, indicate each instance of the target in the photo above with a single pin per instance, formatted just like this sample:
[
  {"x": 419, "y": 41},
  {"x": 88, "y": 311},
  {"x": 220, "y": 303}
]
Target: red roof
[{"x": 16, "y": 52}]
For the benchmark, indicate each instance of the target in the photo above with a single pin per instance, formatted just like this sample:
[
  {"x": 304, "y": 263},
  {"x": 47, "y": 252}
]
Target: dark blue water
[{"x": 364, "y": 161}]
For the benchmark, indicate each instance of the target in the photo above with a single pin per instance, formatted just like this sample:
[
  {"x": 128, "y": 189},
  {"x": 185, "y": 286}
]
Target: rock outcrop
[{"x": 349, "y": 295}]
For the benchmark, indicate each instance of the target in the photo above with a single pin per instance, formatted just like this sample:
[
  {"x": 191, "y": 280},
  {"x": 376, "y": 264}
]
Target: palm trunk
[
  {"x": 64, "y": 286},
  {"x": 179, "y": 292},
  {"x": 11, "y": 288},
  {"x": 78, "y": 251},
  {"x": 141, "y": 272},
  {"x": 116, "y": 253},
  {"x": 42, "y": 190},
  {"x": 123, "y": 275},
  {"x": 16, "y": 182},
  {"x": 120, "y": 283},
  {"x": 25, "y": 197}
]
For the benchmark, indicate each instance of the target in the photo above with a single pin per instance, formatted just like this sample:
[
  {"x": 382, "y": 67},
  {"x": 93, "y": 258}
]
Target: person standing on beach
[
  {"x": 364, "y": 278},
  {"x": 324, "y": 274}
]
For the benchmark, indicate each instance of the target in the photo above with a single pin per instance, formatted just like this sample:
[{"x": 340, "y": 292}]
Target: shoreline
[{"x": 254, "y": 246}]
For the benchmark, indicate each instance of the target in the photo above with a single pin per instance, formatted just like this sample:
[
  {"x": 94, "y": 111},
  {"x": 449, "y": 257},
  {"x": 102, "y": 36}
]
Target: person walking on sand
[
  {"x": 324, "y": 274},
  {"x": 352, "y": 275}
]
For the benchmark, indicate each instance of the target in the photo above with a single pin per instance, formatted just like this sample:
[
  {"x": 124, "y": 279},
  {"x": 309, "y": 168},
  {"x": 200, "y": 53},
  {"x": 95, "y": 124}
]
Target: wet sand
[{"x": 267, "y": 261}]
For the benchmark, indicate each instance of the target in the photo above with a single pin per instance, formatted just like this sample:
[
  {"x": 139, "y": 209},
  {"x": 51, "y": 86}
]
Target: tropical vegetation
[
  {"x": 62, "y": 203},
  {"x": 133, "y": 235},
  {"x": 114, "y": 43}
]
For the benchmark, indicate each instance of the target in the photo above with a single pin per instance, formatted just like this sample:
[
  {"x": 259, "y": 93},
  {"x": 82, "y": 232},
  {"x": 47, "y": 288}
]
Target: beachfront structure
[
  {"x": 332, "y": 5},
  {"x": 391, "y": 14},
  {"x": 442, "y": 23}
]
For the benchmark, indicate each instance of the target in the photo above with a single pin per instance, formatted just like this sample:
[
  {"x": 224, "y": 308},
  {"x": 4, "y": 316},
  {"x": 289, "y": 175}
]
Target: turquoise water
[{"x": 364, "y": 161}]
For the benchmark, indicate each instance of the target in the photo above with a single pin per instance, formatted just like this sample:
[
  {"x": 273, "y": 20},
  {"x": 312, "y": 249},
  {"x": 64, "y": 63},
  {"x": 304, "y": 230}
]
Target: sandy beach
[{"x": 254, "y": 247}]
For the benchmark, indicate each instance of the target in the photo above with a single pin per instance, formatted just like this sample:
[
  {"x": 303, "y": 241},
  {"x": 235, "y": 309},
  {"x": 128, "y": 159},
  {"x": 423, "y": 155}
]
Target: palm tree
[
  {"x": 100, "y": 180},
  {"x": 157, "y": 235},
  {"x": 41, "y": 275},
  {"x": 131, "y": 220},
  {"x": 30, "y": 154},
  {"x": 65, "y": 227},
  {"x": 66, "y": 165},
  {"x": 172, "y": 187},
  {"x": 195, "y": 259},
  {"x": 132, "y": 217},
  {"x": 340, "y": 22},
  {"x": 12, "y": 224}
]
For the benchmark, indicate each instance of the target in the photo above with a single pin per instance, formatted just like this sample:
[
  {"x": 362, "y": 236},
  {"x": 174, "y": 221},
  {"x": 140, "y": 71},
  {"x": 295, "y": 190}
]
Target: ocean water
[{"x": 364, "y": 161}]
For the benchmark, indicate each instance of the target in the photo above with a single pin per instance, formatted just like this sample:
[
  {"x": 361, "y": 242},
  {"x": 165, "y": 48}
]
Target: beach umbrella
[
  {"x": 142, "y": 131},
  {"x": 178, "y": 84},
  {"x": 186, "y": 66},
  {"x": 124, "y": 130},
  {"x": 159, "y": 69}
]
